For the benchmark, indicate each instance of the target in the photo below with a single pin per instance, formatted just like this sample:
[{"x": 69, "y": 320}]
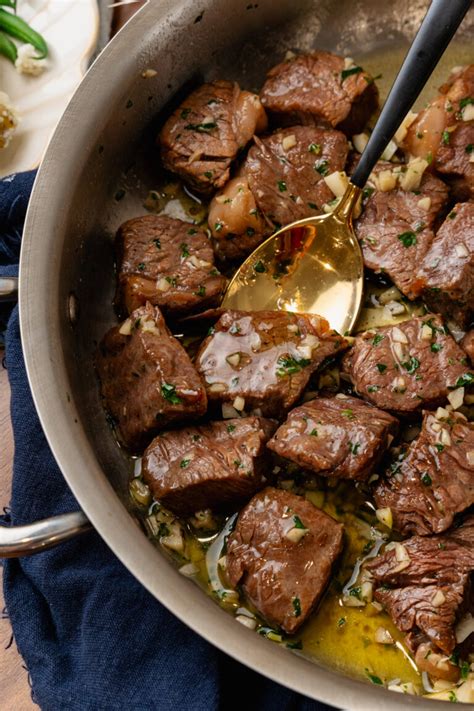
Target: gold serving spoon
[{"x": 315, "y": 265}]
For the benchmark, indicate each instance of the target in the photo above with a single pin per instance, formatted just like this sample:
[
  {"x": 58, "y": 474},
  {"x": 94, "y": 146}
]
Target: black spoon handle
[{"x": 438, "y": 28}]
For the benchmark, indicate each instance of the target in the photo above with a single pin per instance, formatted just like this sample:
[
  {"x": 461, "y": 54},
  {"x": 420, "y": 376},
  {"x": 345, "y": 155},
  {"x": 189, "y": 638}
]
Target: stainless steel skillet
[{"x": 102, "y": 148}]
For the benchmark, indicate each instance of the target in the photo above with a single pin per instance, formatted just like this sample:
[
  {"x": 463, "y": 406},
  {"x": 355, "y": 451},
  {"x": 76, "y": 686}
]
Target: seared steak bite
[
  {"x": 435, "y": 480},
  {"x": 339, "y": 436},
  {"x": 286, "y": 170},
  {"x": 213, "y": 466},
  {"x": 236, "y": 224},
  {"x": 444, "y": 133},
  {"x": 203, "y": 136},
  {"x": 281, "y": 554},
  {"x": 169, "y": 263},
  {"x": 424, "y": 584},
  {"x": 264, "y": 359},
  {"x": 447, "y": 271},
  {"x": 467, "y": 344},
  {"x": 396, "y": 229},
  {"x": 321, "y": 88},
  {"x": 407, "y": 367},
  {"x": 147, "y": 379}
]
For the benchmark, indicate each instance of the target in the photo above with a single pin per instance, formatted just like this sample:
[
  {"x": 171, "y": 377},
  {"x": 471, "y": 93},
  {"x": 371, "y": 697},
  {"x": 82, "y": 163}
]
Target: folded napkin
[{"x": 92, "y": 637}]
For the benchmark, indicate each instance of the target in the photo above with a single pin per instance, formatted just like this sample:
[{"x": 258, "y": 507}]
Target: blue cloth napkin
[{"x": 92, "y": 637}]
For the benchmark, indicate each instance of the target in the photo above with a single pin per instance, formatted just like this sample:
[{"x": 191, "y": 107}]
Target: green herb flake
[
  {"x": 452, "y": 214},
  {"x": 157, "y": 243},
  {"x": 185, "y": 113},
  {"x": 295, "y": 645},
  {"x": 465, "y": 669},
  {"x": 470, "y": 148},
  {"x": 466, "y": 101},
  {"x": 356, "y": 592},
  {"x": 341, "y": 622},
  {"x": 184, "y": 250},
  {"x": 436, "y": 347},
  {"x": 201, "y": 127},
  {"x": 184, "y": 463},
  {"x": 141, "y": 266},
  {"x": 313, "y": 206},
  {"x": 314, "y": 433},
  {"x": 408, "y": 239},
  {"x": 349, "y": 414},
  {"x": 465, "y": 380},
  {"x": 373, "y": 389},
  {"x": 381, "y": 367},
  {"x": 230, "y": 428},
  {"x": 296, "y": 606},
  {"x": 250, "y": 231},
  {"x": 208, "y": 174},
  {"x": 439, "y": 447},
  {"x": 426, "y": 479},
  {"x": 298, "y": 522},
  {"x": 192, "y": 231},
  {"x": 377, "y": 339},
  {"x": 314, "y": 148},
  {"x": 259, "y": 267},
  {"x": 196, "y": 437},
  {"x": 289, "y": 365},
  {"x": 218, "y": 226},
  {"x": 169, "y": 393},
  {"x": 349, "y": 72},
  {"x": 445, "y": 137},
  {"x": 322, "y": 167},
  {"x": 452, "y": 697},
  {"x": 373, "y": 678},
  {"x": 282, "y": 186},
  {"x": 201, "y": 291},
  {"x": 411, "y": 365},
  {"x": 354, "y": 447}
]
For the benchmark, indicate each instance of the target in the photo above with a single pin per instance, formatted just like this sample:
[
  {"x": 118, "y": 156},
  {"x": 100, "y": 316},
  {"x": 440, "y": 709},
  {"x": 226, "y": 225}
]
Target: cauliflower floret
[
  {"x": 27, "y": 61},
  {"x": 8, "y": 120}
]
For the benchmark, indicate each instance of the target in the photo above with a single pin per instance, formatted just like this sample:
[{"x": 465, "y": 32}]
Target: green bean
[
  {"x": 8, "y": 48},
  {"x": 9, "y": 3},
  {"x": 18, "y": 28}
]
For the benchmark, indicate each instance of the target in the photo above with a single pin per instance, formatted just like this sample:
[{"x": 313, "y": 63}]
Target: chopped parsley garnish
[
  {"x": 208, "y": 174},
  {"x": 169, "y": 393},
  {"x": 282, "y": 186},
  {"x": 436, "y": 347},
  {"x": 296, "y": 606},
  {"x": 298, "y": 522},
  {"x": 377, "y": 338},
  {"x": 466, "y": 379},
  {"x": 237, "y": 463},
  {"x": 439, "y": 447},
  {"x": 201, "y": 127},
  {"x": 465, "y": 669},
  {"x": 314, "y": 148},
  {"x": 470, "y": 148},
  {"x": 426, "y": 479},
  {"x": 184, "y": 463},
  {"x": 322, "y": 167},
  {"x": 374, "y": 679},
  {"x": 353, "y": 447},
  {"x": 367, "y": 192},
  {"x": 218, "y": 226},
  {"x": 259, "y": 267},
  {"x": 452, "y": 214},
  {"x": 356, "y": 592},
  {"x": 341, "y": 621},
  {"x": 349, "y": 414},
  {"x": 408, "y": 239},
  {"x": 196, "y": 437},
  {"x": 289, "y": 365},
  {"x": 157, "y": 243},
  {"x": 185, "y": 113},
  {"x": 313, "y": 206},
  {"x": 445, "y": 137},
  {"x": 372, "y": 388},
  {"x": 141, "y": 267},
  {"x": 466, "y": 101},
  {"x": 349, "y": 72},
  {"x": 172, "y": 280},
  {"x": 184, "y": 249},
  {"x": 411, "y": 365},
  {"x": 230, "y": 428},
  {"x": 381, "y": 367},
  {"x": 192, "y": 231},
  {"x": 201, "y": 291},
  {"x": 295, "y": 645},
  {"x": 314, "y": 433}
]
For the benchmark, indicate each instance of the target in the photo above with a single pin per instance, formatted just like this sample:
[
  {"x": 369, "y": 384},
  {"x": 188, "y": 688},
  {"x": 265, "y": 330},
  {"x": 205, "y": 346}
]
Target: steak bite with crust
[
  {"x": 321, "y": 88},
  {"x": 204, "y": 135},
  {"x": 147, "y": 379},
  {"x": 447, "y": 271},
  {"x": 286, "y": 171},
  {"x": 424, "y": 584},
  {"x": 217, "y": 466},
  {"x": 264, "y": 359},
  {"x": 281, "y": 553},
  {"x": 339, "y": 436},
  {"x": 408, "y": 367},
  {"x": 435, "y": 480},
  {"x": 396, "y": 227},
  {"x": 169, "y": 263}
]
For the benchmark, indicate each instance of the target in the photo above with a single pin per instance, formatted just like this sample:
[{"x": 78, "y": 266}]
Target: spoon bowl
[{"x": 311, "y": 266}]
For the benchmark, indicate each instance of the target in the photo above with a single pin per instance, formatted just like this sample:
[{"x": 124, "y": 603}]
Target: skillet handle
[{"x": 16, "y": 541}]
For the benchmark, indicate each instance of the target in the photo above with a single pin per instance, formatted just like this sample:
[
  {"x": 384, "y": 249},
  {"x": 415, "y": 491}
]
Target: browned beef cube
[
  {"x": 467, "y": 344},
  {"x": 286, "y": 170},
  {"x": 264, "y": 359},
  {"x": 447, "y": 271},
  {"x": 281, "y": 554},
  {"x": 323, "y": 88},
  {"x": 236, "y": 223},
  {"x": 147, "y": 379},
  {"x": 203, "y": 136},
  {"x": 339, "y": 436},
  {"x": 407, "y": 367},
  {"x": 435, "y": 480},
  {"x": 169, "y": 263},
  {"x": 424, "y": 585},
  {"x": 214, "y": 466},
  {"x": 444, "y": 132},
  {"x": 396, "y": 229}
]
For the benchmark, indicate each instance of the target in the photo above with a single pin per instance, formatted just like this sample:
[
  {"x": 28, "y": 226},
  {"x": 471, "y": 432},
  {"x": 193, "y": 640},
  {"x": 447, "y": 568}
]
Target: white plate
[{"x": 70, "y": 28}]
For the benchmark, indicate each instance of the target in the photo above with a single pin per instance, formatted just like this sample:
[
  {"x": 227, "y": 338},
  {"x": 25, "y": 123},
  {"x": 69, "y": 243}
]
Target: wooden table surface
[{"x": 14, "y": 687}]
